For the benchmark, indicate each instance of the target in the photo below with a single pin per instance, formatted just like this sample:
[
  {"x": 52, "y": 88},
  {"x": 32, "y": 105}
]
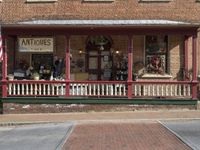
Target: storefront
[{"x": 108, "y": 58}]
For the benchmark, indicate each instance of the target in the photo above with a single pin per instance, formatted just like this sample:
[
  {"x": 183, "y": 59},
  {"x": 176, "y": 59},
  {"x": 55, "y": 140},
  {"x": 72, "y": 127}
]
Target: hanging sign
[{"x": 35, "y": 44}]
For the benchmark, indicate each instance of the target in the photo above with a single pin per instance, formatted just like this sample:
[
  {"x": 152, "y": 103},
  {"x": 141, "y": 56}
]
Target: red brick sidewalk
[{"x": 123, "y": 136}]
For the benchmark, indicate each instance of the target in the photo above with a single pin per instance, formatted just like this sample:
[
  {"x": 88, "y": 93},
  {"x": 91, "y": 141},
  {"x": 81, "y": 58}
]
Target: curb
[{"x": 5, "y": 124}]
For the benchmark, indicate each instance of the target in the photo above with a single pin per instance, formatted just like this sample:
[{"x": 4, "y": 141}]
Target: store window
[{"x": 156, "y": 54}]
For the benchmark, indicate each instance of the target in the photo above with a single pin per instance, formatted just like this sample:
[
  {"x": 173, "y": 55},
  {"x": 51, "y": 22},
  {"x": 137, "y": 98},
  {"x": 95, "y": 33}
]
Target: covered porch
[{"x": 125, "y": 59}]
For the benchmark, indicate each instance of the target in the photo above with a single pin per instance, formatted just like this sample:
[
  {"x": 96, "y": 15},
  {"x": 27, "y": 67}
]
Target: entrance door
[{"x": 98, "y": 58}]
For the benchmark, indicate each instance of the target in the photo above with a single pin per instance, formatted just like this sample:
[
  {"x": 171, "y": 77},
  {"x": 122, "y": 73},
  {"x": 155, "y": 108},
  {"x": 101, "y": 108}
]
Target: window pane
[{"x": 156, "y": 54}]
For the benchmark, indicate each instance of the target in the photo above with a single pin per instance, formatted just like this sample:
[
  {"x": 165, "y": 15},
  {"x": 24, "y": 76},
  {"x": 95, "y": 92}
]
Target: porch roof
[{"x": 108, "y": 23}]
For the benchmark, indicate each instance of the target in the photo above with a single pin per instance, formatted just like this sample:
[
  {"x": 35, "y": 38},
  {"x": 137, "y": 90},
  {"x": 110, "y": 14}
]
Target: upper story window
[
  {"x": 40, "y": 1},
  {"x": 156, "y": 49}
]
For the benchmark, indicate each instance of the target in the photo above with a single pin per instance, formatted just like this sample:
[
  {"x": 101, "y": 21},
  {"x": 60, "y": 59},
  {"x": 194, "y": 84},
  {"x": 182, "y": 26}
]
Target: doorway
[{"x": 99, "y": 57}]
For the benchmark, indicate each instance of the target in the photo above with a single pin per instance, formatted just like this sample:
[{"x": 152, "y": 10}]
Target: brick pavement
[{"x": 123, "y": 136}]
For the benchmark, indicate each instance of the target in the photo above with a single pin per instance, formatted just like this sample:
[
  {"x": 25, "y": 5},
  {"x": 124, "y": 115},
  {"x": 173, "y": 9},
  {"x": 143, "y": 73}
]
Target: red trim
[
  {"x": 99, "y": 30},
  {"x": 67, "y": 68},
  {"x": 186, "y": 39},
  {"x": 194, "y": 67},
  {"x": 4, "y": 68},
  {"x": 130, "y": 63}
]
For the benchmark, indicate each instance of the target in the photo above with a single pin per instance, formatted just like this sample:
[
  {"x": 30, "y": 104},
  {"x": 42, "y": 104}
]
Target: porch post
[
  {"x": 67, "y": 64},
  {"x": 194, "y": 67},
  {"x": 4, "y": 68},
  {"x": 130, "y": 64},
  {"x": 186, "y": 39}
]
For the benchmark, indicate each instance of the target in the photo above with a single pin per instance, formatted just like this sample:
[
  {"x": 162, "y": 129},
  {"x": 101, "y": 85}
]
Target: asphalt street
[
  {"x": 187, "y": 130},
  {"x": 35, "y": 137}
]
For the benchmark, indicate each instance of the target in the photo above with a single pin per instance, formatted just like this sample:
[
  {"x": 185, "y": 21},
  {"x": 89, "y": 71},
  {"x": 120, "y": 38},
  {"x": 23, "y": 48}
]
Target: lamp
[{"x": 101, "y": 47}]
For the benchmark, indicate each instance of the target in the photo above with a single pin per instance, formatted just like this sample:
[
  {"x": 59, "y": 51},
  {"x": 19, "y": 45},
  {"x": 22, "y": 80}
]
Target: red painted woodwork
[
  {"x": 4, "y": 68},
  {"x": 186, "y": 75},
  {"x": 194, "y": 65},
  {"x": 130, "y": 63},
  {"x": 67, "y": 61}
]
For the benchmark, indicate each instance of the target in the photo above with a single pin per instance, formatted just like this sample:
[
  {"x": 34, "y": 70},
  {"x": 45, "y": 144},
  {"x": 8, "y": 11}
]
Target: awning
[{"x": 108, "y": 22}]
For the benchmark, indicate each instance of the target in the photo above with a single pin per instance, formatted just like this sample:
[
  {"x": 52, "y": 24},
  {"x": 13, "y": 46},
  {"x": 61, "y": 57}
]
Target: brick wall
[{"x": 18, "y": 10}]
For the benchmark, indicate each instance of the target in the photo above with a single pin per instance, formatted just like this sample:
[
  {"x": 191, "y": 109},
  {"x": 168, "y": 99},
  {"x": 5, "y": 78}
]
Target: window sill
[
  {"x": 156, "y": 76},
  {"x": 41, "y": 1}
]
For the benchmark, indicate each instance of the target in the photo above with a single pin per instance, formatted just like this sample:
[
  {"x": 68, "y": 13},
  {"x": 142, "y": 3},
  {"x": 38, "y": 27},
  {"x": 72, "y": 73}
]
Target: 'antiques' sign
[{"x": 35, "y": 44}]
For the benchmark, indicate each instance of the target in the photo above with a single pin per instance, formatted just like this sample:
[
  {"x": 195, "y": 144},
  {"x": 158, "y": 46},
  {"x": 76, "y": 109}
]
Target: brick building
[{"x": 100, "y": 48}]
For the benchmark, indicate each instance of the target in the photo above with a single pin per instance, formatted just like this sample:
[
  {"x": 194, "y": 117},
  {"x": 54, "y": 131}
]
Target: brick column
[
  {"x": 130, "y": 64},
  {"x": 67, "y": 65},
  {"x": 194, "y": 67}
]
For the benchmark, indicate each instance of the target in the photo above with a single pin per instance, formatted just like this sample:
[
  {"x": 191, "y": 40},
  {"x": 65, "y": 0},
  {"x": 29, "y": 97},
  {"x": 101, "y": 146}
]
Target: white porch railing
[
  {"x": 98, "y": 89},
  {"x": 36, "y": 88},
  {"x": 174, "y": 89},
  {"x": 162, "y": 89}
]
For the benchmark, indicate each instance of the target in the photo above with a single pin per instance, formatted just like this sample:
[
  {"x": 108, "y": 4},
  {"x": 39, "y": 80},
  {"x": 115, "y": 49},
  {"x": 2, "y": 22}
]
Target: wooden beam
[
  {"x": 67, "y": 65},
  {"x": 194, "y": 67},
  {"x": 130, "y": 64}
]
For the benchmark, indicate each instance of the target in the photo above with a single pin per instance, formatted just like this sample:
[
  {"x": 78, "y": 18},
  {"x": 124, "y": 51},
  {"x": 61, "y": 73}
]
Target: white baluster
[
  {"x": 111, "y": 89},
  {"x": 157, "y": 89},
  {"x": 10, "y": 88},
  {"x": 98, "y": 90},
  {"x": 184, "y": 90},
  {"x": 124, "y": 90},
  {"x": 22, "y": 85},
  {"x": 171, "y": 90},
  {"x": 90, "y": 89},
  {"x": 14, "y": 88},
  {"x": 18, "y": 89},
  {"x": 189, "y": 90},
  {"x": 180, "y": 89},
  {"x": 139, "y": 90},
  {"x": 135, "y": 90},
  {"x": 153, "y": 89},
  {"x": 144, "y": 90},
  {"x": 27, "y": 89},
  {"x": 120, "y": 89},
  {"x": 57, "y": 89},
  {"x": 116, "y": 85},
  {"x": 107, "y": 86},
  {"x": 44, "y": 89},
  {"x": 175, "y": 86},
  {"x": 94, "y": 89},
  {"x": 31, "y": 90},
  {"x": 166, "y": 90},
  {"x": 73, "y": 89},
  {"x": 35, "y": 89},
  {"x": 39, "y": 89},
  {"x": 162, "y": 90},
  {"x": 102, "y": 89}
]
